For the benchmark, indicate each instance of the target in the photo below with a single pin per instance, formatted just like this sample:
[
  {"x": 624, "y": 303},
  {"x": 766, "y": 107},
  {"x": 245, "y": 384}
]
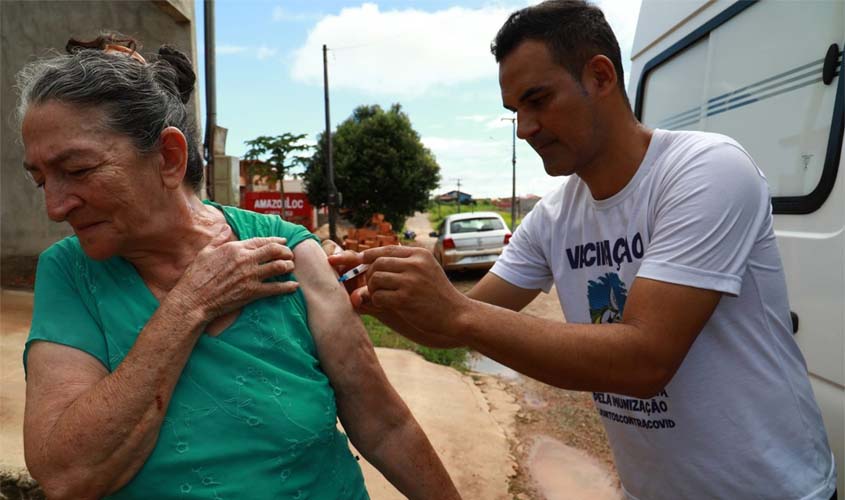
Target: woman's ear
[{"x": 173, "y": 149}]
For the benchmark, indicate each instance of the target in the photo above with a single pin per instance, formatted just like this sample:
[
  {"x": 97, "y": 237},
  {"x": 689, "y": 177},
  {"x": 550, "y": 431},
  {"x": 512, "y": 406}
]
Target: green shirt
[{"x": 253, "y": 414}]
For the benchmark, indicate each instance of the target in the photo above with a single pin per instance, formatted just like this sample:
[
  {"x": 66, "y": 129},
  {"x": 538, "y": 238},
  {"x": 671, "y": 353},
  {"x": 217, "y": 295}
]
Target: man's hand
[
  {"x": 409, "y": 323},
  {"x": 343, "y": 260},
  {"x": 407, "y": 284}
]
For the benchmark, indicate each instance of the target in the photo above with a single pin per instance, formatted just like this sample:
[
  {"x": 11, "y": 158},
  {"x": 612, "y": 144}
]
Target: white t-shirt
[{"x": 738, "y": 419}]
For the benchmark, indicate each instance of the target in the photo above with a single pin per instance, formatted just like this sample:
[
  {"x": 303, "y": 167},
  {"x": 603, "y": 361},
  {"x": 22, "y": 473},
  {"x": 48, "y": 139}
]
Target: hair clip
[{"x": 110, "y": 48}]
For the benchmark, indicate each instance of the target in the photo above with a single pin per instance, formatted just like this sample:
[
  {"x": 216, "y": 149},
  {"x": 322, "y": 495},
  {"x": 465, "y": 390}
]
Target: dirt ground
[{"x": 467, "y": 419}]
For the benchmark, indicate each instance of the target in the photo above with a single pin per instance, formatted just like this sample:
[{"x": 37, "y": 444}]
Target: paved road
[{"x": 419, "y": 224}]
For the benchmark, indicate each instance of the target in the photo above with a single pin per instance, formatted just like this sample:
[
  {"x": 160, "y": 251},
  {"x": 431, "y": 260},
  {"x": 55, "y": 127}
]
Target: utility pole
[
  {"x": 210, "y": 95},
  {"x": 330, "y": 163},
  {"x": 513, "y": 177},
  {"x": 458, "y": 197}
]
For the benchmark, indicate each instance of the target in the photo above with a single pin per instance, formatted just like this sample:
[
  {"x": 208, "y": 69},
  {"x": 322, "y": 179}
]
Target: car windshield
[{"x": 473, "y": 225}]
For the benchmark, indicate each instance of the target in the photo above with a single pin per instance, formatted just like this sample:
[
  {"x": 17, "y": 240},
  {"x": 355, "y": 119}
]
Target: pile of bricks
[{"x": 377, "y": 234}]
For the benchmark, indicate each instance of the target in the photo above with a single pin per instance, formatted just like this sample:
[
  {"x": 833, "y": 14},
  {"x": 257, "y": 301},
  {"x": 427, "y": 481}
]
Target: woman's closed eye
[{"x": 79, "y": 172}]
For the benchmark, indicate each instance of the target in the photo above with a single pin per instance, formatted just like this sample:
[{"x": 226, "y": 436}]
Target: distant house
[{"x": 452, "y": 196}]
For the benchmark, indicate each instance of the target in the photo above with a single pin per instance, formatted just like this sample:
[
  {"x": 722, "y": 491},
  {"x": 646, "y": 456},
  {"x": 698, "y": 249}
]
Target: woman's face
[{"x": 94, "y": 179}]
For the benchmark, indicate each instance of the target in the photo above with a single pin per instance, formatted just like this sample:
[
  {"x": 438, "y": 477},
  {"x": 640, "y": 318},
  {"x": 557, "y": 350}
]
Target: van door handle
[
  {"x": 794, "y": 322},
  {"x": 829, "y": 67}
]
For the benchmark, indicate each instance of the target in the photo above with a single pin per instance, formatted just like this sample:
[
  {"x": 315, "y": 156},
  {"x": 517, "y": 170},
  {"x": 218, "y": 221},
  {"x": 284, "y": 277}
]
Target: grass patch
[{"x": 383, "y": 336}]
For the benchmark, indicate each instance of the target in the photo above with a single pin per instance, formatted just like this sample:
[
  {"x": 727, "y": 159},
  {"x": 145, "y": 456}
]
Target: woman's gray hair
[{"x": 139, "y": 99}]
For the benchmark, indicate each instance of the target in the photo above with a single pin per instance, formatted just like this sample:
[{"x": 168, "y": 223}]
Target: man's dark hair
[{"x": 573, "y": 30}]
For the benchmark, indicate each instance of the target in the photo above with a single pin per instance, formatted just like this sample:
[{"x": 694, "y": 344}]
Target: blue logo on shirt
[{"x": 607, "y": 297}]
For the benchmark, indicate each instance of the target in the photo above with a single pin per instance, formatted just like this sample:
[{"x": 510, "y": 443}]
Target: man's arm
[
  {"x": 498, "y": 292},
  {"x": 378, "y": 422},
  {"x": 491, "y": 290},
  {"x": 636, "y": 357}
]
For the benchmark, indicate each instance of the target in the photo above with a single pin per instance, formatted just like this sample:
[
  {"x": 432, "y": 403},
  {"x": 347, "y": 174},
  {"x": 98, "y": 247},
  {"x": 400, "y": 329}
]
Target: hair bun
[{"x": 185, "y": 76}]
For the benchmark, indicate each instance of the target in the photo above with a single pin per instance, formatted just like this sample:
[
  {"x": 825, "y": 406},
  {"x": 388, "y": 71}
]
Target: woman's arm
[
  {"x": 87, "y": 432},
  {"x": 378, "y": 422}
]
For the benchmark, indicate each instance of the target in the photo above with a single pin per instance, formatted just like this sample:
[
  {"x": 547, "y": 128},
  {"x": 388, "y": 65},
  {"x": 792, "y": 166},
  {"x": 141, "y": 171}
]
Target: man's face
[{"x": 554, "y": 112}]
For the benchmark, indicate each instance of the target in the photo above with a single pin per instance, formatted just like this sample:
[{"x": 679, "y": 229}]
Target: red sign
[{"x": 296, "y": 210}]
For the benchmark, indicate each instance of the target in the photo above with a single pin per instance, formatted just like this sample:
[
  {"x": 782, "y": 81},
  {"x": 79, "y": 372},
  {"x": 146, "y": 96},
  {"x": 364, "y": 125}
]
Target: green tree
[
  {"x": 380, "y": 166},
  {"x": 273, "y": 156}
]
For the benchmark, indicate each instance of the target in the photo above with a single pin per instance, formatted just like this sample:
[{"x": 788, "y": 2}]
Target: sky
[{"x": 431, "y": 56}]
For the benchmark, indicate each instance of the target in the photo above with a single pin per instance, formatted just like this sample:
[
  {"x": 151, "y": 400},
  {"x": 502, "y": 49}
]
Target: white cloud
[
  {"x": 407, "y": 52},
  {"x": 265, "y": 53},
  {"x": 230, "y": 49},
  {"x": 401, "y": 52}
]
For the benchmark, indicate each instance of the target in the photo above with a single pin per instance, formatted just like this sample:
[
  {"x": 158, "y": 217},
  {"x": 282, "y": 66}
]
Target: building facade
[{"x": 31, "y": 29}]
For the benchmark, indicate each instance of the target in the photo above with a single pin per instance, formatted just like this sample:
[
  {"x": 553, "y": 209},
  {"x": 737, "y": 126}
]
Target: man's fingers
[
  {"x": 361, "y": 300},
  {"x": 346, "y": 260},
  {"x": 380, "y": 280},
  {"x": 369, "y": 256},
  {"x": 386, "y": 299},
  {"x": 389, "y": 264}
]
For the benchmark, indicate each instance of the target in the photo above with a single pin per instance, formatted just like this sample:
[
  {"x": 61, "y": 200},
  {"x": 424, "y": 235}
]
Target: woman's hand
[{"x": 226, "y": 275}]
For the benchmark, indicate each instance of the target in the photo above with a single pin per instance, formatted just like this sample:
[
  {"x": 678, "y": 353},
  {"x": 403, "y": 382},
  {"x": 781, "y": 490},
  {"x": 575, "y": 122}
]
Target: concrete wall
[{"x": 29, "y": 29}]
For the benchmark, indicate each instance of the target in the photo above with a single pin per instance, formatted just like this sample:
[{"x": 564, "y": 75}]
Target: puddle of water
[
  {"x": 565, "y": 473},
  {"x": 482, "y": 364}
]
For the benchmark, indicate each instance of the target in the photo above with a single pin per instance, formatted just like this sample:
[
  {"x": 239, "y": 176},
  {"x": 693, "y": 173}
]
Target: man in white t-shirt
[{"x": 663, "y": 254}]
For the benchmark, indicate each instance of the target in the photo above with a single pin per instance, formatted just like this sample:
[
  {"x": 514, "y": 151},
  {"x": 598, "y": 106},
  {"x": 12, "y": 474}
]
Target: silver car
[{"x": 470, "y": 240}]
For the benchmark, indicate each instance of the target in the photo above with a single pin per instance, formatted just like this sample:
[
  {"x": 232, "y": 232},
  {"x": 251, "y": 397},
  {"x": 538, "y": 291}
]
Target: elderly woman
[{"x": 172, "y": 352}]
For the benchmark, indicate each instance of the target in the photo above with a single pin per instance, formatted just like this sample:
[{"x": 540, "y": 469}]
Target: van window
[{"x": 758, "y": 79}]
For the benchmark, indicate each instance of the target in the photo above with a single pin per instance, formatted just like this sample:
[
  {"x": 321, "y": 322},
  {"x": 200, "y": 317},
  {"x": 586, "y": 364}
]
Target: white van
[{"x": 770, "y": 74}]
